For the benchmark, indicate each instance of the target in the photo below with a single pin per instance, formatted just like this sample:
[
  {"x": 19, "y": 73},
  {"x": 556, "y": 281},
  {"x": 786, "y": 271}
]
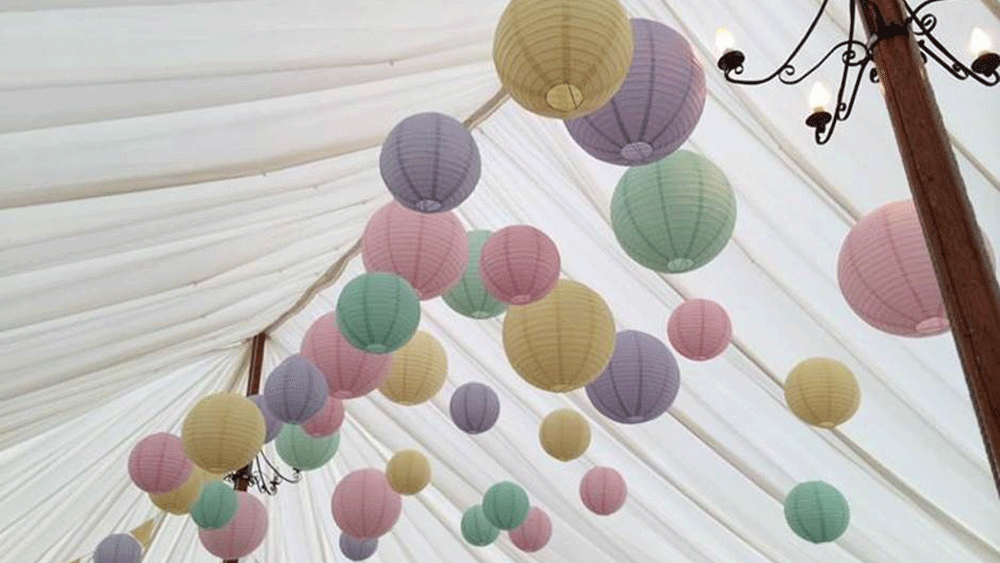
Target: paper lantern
[
  {"x": 656, "y": 108},
  {"x": 157, "y": 464},
  {"x": 118, "y": 548},
  {"x": 817, "y": 512},
  {"x": 180, "y": 500},
  {"x": 474, "y": 408},
  {"x": 378, "y": 312},
  {"x": 271, "y": 423},
  {"x": 430, "y": 162},
  {"x": 356, "y": 549},
  {"x": 822, "y": 392},
  {"x": 364, "y": 505},
  {"x": 305, "y": 452},
  {"x": 429, "y": 251},
  {"x": 603, "y": 491},
  {"x": 296, "y": 390},
  {"x": 641, "y": 380},
  {"x": 242, "y": 535},
  {"x": 519, "y": 264},
  {"x": 534, "y": 532},
  {"x": 349, "y": 372},
  {"x": 408, "y": 472},
  {"x": 675, "y": 214},
  {"x": 477, "y": 529},
  {"x": 506, "y": 505},
  {"x": 223, "y": 432},
  {"x": 418, "y": 371},
  {"x": 699, "y": 329},
  {"x": 216, "y": 506},
  {"x": 327, "y": 420},
  {"x": 564, "y": 434},
  {"x": 563, "y": 341},
  {"x": 469, "y": 296},
  {"x": 562, "y": 58}
]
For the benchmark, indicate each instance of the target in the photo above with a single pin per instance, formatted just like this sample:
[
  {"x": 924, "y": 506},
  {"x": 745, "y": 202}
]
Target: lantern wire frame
[{"x": 255, "y": 476}]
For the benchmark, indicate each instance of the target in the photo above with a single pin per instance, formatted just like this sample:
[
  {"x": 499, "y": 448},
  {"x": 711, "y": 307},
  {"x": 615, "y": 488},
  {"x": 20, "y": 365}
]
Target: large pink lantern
[
  {"x": 242, "y": 535},
  {"x": 429, "y": 250},
  {"x": 349, "y": 372},
  {"x": 603, "y": 491},
  {"x": 364, "y": 505},
  {"x": 519, "y": 264},
  {"x": 699, "y": 329},
  {"x": 157, "y": 464},
  {"x": 534, "y": 532},
  {"x": 327, "y": 420}
]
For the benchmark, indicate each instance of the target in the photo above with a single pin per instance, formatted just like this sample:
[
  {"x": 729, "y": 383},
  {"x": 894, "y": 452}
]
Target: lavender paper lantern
[
  {"x": 699, "y": 329},
  {"x": 296, "y": 390},
  {"x": 603, "y": 491},
  {"x": 519, "y": 264},
  {"x": 157, "y": 464},
  {"x": 656, "y": 108},
  {"x": 430, "y": 162},
  {"x": 364, "y": 505},
  {"x": 349, "y": 372},
  {"x": 242, "y": 535},
  {"x": 533, "y": 533},
  {"x": 356, "y": 549},
  {"x": 118, "y": 548},
  {"x": 475, "y": 408},
  {"x": 641, "y": 380},
  {"x": 273, "y": 424}
]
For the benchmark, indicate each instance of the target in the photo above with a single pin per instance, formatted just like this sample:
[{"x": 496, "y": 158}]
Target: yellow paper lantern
[
  {"x": 563, "y": 341},
  {"x": 563, "y": 58},
  {"x": 223, "y": 432},
  {"x": 408, "y": 472},
  {"x": 822, "y": 392},
  {"x": 417, "y": 371},
  {"x": 564, "y": 434},
  {"x": 179, "y": 500}
]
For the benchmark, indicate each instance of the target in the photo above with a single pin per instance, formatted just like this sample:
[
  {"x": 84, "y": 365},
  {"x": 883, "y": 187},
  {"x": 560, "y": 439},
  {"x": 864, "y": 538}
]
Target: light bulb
[
  {"x": 724, "y": 40},
  {"x": 980, "y": 43},
  {"x": 819, "y": 97}
]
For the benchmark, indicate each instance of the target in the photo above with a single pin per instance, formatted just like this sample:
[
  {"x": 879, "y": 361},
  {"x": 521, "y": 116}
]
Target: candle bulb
[
  {"x": 980, "y": 44},
  {"x": 819, "y": 97},
  {"x": 724, "y": 40}
]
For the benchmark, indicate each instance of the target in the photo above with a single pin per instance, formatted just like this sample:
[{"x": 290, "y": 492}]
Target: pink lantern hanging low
[
  {"x": 519, "y": 264},
  {"x": 699, "y": 329},
  {"x": 364, "y": 505},
  {"x": 242, "y": 535},
  {"x": 534, "y": 532},
  {"x": 327, "y": 420},
  {"x": 157, "y": 464},
  {"x": 349, "y": 372},
  {"x": 603, "y": 491}
]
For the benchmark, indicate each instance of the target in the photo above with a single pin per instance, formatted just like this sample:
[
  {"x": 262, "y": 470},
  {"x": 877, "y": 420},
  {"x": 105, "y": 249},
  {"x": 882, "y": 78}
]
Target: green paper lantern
[
  {"x": 469, "y": 296},
  {"x": 215, "y": 507},
  {"x": 675, "y": 214},
  {"x": 506, "y": 505},
  {"x": 302, "y": 451},
  {"x": 817, "y": 512},
  {"x": 378, "y": 312},
  {"x": 477, "y": 529}
]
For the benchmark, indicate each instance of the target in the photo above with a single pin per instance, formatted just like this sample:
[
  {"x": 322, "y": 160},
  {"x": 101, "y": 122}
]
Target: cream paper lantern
[
  {"x": 417, "y": 372},
  {"x": 408, "y": 472},
  {"x": 564, "y": 434},
  {"x": 223, "y": 432},
  {"x": 822, "y": 392}
]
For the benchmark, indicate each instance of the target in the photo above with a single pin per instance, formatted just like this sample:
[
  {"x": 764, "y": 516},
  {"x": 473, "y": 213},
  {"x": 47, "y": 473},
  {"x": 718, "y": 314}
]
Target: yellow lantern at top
[
  {"x": 223, "y": 432},
  {"x": 822, "y": 392},
  {"x": 563, "y": 58}
]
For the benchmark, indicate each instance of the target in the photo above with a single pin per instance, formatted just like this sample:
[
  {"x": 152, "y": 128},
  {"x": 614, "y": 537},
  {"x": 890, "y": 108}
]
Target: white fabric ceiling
[{"x": 175, "y": 174}]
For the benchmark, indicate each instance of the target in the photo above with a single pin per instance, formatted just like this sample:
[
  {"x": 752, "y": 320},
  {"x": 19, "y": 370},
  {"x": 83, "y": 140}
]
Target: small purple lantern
[
  {"x": 640, "y": 382},
  {"x": 118, "y": 548},
  {"x": 475, "y": 408},
  {"x": 356, "y": 549},
  {"x": 272, "y": 423},
  {"x": 295, "y": 390}
]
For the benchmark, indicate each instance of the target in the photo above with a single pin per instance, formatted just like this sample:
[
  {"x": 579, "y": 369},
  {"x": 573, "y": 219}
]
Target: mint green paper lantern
[
  {"x": 674, "y": 215},
  {"x": 506, "y": 505},
  {"x": 378, "y": 312},
  {"x": 477, "y": 529},
  {"x": 817, "y": 512},
  {"x": 469, "y": 296},
  {"x": 302, "y": 451},
  {"x": 215, "y": 507}
]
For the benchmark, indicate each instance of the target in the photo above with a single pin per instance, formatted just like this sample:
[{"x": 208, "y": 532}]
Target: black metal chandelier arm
[
  {"x": 855, "y": 53},
  {"x": 296, "y": 475},
  {"x": 930, "y": 46}
]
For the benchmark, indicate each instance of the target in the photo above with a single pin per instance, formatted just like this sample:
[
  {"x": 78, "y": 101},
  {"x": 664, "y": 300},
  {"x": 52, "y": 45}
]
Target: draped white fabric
[{"x": 176, "y": 173}]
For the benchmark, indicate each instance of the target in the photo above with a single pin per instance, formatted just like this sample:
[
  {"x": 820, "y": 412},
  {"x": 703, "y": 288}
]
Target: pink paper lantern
[
  {"x": 327, "y": 420},
  {"x": 242, "y": 535},
  {"x": 429, "y": 250},
  {"x": 533, "y": 533},
  {"x": 699, "y": 329},
  {"x": 519, "y": 264},
  {"x": 603, "y": 491},
  {"x": 364, "y": 505},
  {"x": 349, "y": 372},
  {"x": 157, "y": 464}
]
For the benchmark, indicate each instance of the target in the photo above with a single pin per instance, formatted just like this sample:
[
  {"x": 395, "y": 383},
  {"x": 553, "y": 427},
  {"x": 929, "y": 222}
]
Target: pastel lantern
[
  {"x": 603, "y": 491},
  {"x": 327, "y": 421},
  {"x": 822, "y": 392},
  {"x": 562, "y": 58},
  {"x": 408, "y": 472},
  {"x": 417, "y": 372},
  {"x": 519, "y": 264},
  {"x": 357, "y": 549},
  {"x": 641, "y": 380},
  {"x": 674, "y": 215},
  {"x": 430, "y": 162},
  {"x": 817, "y": 512},
  {"x": 506, "y": 505},
  {"x": 469, "y": 296},
  {"x": 656, "y": 108},
  {"x": 242, "y": 535},
  {"x": 349, "y": 372},
  {"x": 180, "y": 500},
  {"x": 474, "y": 408},
  {"x": 477, "y": 529},
  {"x": 223, "y": 432},
  {"x": 564, "y": 434},
  {"x": 378, "y": 312},
  {"x": 216, "y": 506},
  {"x": 561, "y": 342},
  {"x": 428, "y": 250},
  {"x": 295, "y": 390},
  {"x": 271, "y": 423},
  {"x": 364, "y": 505},
  {"x": 118, "y": 548},
  {"x": 157, "y": 463},
  {"x": 304, "y": 452},
  {"x": 699, "y": 329},
  {"x": 534, "y": 532}
]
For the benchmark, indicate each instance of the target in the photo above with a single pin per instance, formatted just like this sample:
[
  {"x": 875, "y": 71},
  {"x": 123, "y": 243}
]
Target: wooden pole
[{"x": 953, "y": 236}]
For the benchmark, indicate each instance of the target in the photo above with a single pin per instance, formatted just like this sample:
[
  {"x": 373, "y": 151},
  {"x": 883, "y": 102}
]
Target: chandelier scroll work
[{"x": 254, "y": 475}]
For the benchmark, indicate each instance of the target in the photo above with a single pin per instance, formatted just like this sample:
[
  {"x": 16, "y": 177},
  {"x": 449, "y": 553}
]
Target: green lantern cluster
[
  {"x": 302, "y": 451},
  {"x": 477, "y": 529},
  {"x": 817, "y": 512},
  {"x": 506, "y": 505},
  {"x": 378, "y": 312},
  {"x": 674, "y": 215},
  {"x": 215, "y": 507},
  {"x": 469, "y": 296}
]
